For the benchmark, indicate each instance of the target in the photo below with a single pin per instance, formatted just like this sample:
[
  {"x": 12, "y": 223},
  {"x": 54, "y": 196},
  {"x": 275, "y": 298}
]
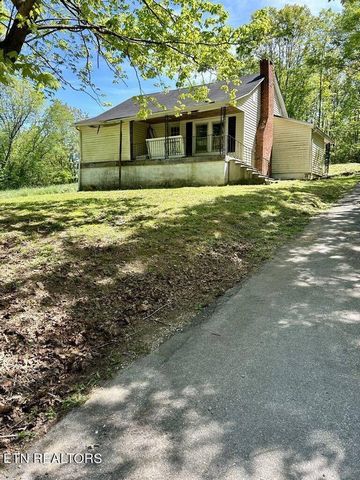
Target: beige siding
[
  {"x": 317, "y": 154},
  {"x": 277, "y": 108},
  {"x": 139, "y": 131},
  {"x": 102, "y": 144},
  {"x": 291, "y": 150},
  {"x": 251, "y": 108},
  {"x": 240, "y": 127}
]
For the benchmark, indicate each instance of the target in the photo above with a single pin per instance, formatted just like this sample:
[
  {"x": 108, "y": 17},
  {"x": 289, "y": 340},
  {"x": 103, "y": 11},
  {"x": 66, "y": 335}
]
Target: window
[
  {"x": 201, "y": 138},
  {"x": 174, "y": 131},
  {"x": 216, "y": 137}
]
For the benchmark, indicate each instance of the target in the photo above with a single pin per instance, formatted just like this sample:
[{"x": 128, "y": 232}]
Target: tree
[
  {"x": 18, "y": 106},
  {"x": 172, "y": 38},
  {"x": 350, "y": 27},
  {"x": 284, "y": 37},
  {"x": 39, "y": 142},
  {"x": 317, "y": 63}
]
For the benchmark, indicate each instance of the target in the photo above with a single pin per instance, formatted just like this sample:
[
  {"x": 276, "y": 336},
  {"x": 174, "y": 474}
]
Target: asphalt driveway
[{"x": 266, "y": 387}]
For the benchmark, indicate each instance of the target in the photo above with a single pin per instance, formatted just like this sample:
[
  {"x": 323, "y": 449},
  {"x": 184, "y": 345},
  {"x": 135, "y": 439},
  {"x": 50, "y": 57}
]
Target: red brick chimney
[{"x": 264, "y": 134}]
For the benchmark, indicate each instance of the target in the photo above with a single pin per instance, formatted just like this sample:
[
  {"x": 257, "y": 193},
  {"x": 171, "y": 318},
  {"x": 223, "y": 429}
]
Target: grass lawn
[
  {"x": 32, "y": 191},
  {"x": 344, "y": 168},
  {"x": 91, "y": 280}
]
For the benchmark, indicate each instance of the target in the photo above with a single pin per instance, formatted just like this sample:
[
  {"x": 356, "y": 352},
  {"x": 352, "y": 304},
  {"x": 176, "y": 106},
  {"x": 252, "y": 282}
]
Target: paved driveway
[{"x": 267, "y": 387}]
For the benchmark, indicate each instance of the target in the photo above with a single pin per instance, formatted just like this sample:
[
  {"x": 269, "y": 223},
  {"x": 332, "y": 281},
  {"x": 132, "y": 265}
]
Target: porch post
[
  {"x": 223, "y": 142},
  {"x": 120, "y": 151},
  {"x": 166, "y": 136},
  {"x": 132, "y": 140}
]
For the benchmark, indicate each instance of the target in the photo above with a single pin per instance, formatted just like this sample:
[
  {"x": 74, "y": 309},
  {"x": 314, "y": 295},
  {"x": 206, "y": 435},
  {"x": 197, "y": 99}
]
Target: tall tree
[
  {"x": 317, "y": 63},
  {"x": 18, "y": 106},
  {"x": 283, "y": 36},
  {"x": 39, "y": 144}
]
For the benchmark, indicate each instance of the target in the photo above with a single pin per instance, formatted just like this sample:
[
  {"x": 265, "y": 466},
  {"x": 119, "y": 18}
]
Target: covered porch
[{"x": 215, "y": 132}]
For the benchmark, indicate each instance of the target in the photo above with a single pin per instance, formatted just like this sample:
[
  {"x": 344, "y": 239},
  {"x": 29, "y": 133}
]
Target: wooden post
[
  {"x": 223, "y": 143},
  {"x": 120, "y": 153},
  {"x": 166, "y": 136},
  {"x": 132, "y": 140},
  {"x": 80, "y": 161}
]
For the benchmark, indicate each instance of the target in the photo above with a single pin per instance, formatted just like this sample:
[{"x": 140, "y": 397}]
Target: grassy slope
[
  {"x": 34, "y": 191},
  {"x": 88, "y": 281},
  {"x": 343, "y": 168}
]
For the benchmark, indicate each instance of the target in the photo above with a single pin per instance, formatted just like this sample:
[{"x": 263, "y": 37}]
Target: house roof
[
  {"x": 307, "y": 124},
  {"x": 169, "y": 100}
]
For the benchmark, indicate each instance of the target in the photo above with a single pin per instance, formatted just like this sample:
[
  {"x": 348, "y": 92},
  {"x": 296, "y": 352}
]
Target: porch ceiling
[{"x": 193, "y": 115}]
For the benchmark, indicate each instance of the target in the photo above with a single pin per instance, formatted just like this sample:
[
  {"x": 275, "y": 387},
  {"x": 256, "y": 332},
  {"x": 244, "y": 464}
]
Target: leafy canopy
[
  {"x": 317, "y": 62},
  {"x": 38, "y": 143},
  {"x": 172, "y": 39}
]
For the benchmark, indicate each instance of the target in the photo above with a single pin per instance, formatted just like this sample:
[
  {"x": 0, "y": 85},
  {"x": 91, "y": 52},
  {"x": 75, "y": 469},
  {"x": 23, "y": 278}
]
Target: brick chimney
[{"x": 264, "y": 134}]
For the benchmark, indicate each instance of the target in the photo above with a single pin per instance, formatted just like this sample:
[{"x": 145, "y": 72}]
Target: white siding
[
  {"x": 277, "y": 108},
  {"x": 317, "y": 154},
  {"x": 291, "y": 149},
  {"x": 251, "y": 108},
  {"x": 102, "y": 144}
]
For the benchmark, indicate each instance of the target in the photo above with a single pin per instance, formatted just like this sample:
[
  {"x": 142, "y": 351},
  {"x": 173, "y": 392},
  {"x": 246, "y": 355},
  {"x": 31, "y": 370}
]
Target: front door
[{"x": 231, "y": 147}]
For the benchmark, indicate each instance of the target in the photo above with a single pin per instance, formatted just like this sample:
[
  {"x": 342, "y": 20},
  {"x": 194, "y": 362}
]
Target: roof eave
[
  {"x": 323, "y": 134},
  {"x": 210, "y": 106}
]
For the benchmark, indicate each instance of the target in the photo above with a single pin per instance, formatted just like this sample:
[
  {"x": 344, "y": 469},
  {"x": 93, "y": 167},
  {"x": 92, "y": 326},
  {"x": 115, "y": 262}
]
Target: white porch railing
[{"x": 162, "y": 147}]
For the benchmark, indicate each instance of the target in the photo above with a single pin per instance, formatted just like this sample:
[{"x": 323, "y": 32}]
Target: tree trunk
[{"x": 15, "y": 38}]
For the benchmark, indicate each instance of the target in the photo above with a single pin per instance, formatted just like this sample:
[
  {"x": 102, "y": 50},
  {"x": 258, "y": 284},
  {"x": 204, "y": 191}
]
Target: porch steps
[{"x": 255, "y": 174}]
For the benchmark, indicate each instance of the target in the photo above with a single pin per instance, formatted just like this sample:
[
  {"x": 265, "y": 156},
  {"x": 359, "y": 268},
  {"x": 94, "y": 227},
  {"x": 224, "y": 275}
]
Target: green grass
[
  {"x": 91, "y": 280},
  {"x": 341, "y": 168},
  {"x": 31, "y": 191}
]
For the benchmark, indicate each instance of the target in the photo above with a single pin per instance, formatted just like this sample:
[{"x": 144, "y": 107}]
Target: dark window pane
[
  {"x": 216, "y": 129},
  {"x": 174, "y": 131}
]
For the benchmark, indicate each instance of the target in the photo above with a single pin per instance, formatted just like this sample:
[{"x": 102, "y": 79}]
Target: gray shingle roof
[{"x": 130, "y": 108}]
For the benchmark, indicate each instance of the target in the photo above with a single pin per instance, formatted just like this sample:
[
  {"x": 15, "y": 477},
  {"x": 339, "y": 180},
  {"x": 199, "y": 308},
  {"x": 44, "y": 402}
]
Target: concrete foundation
[
  {"x": 209, "y": 170},
  {"x": 189, "y": 171}
]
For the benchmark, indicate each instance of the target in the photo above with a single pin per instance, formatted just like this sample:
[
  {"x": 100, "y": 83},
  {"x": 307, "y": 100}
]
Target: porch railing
[{"x": 178, "y": 146}]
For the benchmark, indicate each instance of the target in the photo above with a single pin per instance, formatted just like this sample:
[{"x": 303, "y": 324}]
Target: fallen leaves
[{"x": 49, "y": 346}]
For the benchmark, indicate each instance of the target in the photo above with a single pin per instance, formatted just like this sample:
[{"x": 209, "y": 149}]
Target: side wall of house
[
  {"x": 139, "y": 133},
  {"x": 251, "y": 108},
  {"x": 291, "y": 149},
  {"x": 318, "y": 154},
  {"x": 101, "y": 146}
]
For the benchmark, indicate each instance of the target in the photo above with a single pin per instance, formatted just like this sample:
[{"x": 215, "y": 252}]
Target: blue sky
[{"x": 239, "y": 11}]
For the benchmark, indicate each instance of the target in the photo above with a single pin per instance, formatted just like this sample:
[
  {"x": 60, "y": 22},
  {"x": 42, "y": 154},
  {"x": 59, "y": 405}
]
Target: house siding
[
  {"x": 291, "y": 149},
  {"x": 251, "y": 108},
  {"x": 277, "y": 107},
  {"x": 102, "y": 144},
  {"x": 139, "y": 132},
  {"x": 317, "y": 154}
]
